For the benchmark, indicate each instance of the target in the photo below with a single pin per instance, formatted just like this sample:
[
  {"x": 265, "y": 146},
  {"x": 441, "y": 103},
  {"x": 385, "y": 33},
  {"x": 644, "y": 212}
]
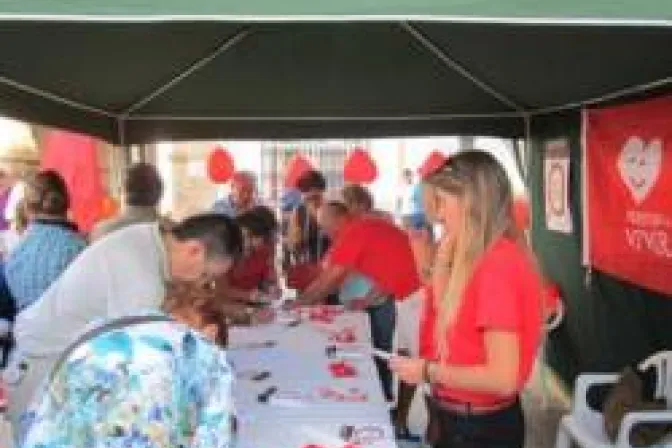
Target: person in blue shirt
[
  {"x": 410, "y": 205},
  {"x": 50, "y": 244},
  {"x": 242, "y": 198}
]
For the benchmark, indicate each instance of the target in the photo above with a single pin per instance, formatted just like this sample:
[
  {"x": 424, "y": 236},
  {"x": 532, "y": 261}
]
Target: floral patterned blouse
[{"x": 147, "y": 385}]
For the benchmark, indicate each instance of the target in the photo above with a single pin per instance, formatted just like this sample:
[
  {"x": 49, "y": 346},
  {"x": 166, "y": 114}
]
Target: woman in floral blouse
[{"x": 149, "y": 381}]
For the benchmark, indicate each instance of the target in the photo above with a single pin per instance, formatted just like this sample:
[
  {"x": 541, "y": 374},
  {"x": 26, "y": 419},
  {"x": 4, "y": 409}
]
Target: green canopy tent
[{"x": 133, "y": 72}]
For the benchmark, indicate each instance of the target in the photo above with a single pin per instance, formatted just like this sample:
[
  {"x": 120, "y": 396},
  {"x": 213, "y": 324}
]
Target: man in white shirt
[{"x": 121, "y": 274}]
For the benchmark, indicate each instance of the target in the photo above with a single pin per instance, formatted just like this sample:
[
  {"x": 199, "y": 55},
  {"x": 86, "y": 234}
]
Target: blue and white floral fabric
[{"x": 148, "y": 385}]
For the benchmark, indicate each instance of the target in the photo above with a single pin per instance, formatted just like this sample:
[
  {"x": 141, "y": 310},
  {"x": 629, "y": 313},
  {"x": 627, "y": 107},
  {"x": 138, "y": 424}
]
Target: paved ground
[{"x": 542, "y": 421}]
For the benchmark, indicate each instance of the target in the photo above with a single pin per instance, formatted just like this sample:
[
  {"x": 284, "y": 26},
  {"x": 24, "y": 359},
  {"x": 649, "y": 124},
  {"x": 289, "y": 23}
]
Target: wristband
[{"x": 425, "y": 372}]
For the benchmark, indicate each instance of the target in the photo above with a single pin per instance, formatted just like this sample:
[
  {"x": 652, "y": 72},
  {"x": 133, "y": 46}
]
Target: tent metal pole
[
  {"x": 53, "y": 97},
  {"x": 122, "y": 158},
  {"x": 336, "y": 18},
  {"x": 194, "y": 67},
  {"x": 517, "y": 149},
  {"x": 332, "y": 118},
  {"x": 523, "y": 158},
  {"x": 457, "y": 67},
  {"x": 640, "y": 88}
]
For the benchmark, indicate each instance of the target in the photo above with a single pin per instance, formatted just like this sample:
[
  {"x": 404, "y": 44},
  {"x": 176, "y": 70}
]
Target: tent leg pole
[
  {"x": 120, "y": 161},
  {"x": 518, "y": 156},
  {"x": 524, "y": 155}
]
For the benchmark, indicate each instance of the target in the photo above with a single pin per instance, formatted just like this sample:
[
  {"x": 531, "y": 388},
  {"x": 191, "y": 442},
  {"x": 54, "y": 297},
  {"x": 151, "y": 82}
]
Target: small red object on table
[
  {"x": 342, "y": 369},
  {"x": 324, "y": 314},
  {"x": 344, "y": 336}
]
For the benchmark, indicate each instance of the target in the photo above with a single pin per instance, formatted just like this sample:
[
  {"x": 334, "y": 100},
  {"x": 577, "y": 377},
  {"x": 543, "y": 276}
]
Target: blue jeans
[{"x": 383, "y": 320}]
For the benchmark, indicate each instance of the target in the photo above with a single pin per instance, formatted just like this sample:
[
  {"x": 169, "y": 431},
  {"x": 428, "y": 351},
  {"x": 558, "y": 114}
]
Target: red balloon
[
  {"x": 434, "y": 161},
  {"x": 522, "y": 213},
  {"x": 360, "y": 168},
  {"x": 220, "y": 166},
  {"x": 296, "y": 167}
]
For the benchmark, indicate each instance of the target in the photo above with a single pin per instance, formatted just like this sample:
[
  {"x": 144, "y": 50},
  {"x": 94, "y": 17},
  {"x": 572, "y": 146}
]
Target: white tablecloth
[
  {"x": 298, "y": 415},
  {"x": 6, "y": 436}
]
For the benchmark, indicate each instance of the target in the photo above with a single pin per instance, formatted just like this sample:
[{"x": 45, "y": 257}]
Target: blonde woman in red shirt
[{"x": 481, "y": 322}]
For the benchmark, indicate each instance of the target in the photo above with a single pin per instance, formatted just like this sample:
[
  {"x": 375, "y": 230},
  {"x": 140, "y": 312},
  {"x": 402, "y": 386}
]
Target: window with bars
[{"x": 327, "y": 156}]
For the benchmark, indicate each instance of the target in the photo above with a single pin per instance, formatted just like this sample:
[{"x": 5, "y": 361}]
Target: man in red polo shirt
[
  {"x": 368, "y": 245},
  {"x": 375, "y": 250}
]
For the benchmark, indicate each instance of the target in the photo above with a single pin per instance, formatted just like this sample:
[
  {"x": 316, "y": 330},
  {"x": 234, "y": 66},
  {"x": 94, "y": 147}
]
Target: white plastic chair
[{"x": 584, "y": 426}]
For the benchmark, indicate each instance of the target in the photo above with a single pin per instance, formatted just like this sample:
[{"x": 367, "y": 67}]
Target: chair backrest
[
  {"x": 554, "y": 309},
  {"x": 662, "y": 362}
]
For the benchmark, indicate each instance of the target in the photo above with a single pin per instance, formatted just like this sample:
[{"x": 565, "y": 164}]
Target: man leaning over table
[
  {"x": 371, "y": 258},
  {"x": 122, "y": 274}
]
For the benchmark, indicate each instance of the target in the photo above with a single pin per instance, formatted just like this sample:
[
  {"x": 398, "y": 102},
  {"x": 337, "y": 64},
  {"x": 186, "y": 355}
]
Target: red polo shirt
[
  {"x": 379, "y": 250},
  {"x": 504, "y": 294},
  {"x": 253, "y": 270}
]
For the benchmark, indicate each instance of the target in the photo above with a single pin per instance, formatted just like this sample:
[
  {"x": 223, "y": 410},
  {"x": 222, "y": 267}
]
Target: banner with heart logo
[{"x": 628, "y": 192}]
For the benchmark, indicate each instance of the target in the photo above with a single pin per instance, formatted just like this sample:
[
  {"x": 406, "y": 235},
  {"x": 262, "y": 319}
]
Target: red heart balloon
[
  {"x": 220, "y": 165},
  {"x": 432, "y": 163},
  {"x": 296, "y": 167},
  {"x": 360, "y": 168}
]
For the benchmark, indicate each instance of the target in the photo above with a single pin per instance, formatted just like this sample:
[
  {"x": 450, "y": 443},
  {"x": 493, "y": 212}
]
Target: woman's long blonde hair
[{"x": 482, "y": 186}]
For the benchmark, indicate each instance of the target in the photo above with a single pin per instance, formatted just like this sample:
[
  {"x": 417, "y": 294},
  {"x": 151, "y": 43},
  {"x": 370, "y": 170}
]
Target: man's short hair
[
  {"x": 311, "y": 180},
  {"x": 143, "y": 185},
  {"x": 246, "y": 178},
  {"x": 220, "y": 235},
  {"x": 357, "y": 195},
  {"x": 260, "y": 221}
]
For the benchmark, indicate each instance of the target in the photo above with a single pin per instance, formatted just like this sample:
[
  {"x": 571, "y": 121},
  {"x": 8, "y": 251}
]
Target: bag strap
[{"x": 122, "y": 322}]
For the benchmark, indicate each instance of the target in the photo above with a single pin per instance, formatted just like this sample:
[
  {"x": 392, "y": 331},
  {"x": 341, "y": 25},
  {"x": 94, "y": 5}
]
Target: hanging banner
[
  {"x": 556, "y": 187},
  {"x": 628, "y": 181},
  {"x": 75, "y": 158}
]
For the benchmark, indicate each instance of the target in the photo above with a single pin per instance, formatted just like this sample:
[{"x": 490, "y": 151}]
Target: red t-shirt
[
  {"x": 377, "y": 249},
  {"x": 251, "y": 271},
  {"x": 504, "y": 294}
]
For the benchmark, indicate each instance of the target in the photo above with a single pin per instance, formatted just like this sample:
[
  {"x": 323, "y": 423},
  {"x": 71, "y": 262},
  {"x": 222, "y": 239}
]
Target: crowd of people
[{"x": 120, "y": 335}]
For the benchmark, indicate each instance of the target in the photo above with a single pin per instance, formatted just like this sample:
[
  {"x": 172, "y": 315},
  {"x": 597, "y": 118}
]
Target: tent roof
[
  {"x": 131, "y": 72},
  {"x": 568, "y": 10}
]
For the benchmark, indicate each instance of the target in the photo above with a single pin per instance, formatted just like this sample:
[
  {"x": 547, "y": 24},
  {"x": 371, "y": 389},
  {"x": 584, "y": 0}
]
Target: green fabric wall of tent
[{"x": 610, "y": 323}]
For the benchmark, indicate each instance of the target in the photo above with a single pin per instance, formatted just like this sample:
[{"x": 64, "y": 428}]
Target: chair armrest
[
  {"x": 558, "y": 316},
  {"x": 584, "y": 382},
  {"x": 635, "y": 418}
]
